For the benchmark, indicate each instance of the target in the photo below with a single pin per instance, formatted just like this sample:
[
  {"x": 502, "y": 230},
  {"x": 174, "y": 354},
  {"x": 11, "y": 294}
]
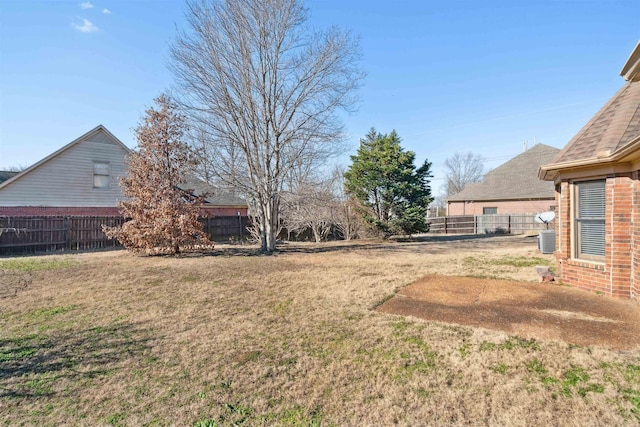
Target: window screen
[
  {"x": 101, "y": 175},
  {"x": 489, "y": 211},
  {"x": 590, "y": 214}
]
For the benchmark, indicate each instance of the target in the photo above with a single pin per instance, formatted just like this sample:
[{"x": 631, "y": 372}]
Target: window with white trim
[
  {"x": 101, "y": 175},
  {"x": 589, "y": 219}
]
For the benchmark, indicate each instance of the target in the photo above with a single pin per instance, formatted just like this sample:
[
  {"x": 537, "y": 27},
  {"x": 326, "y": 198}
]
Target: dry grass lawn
[{"x": 234, "y": 338}]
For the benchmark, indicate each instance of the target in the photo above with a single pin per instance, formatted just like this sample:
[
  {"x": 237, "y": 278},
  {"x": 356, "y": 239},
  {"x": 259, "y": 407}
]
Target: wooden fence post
[{"x": 67, "y": 232}]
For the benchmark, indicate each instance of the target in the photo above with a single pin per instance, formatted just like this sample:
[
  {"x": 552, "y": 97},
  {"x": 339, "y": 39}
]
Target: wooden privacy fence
[
  {"x": 226, "y": 227},
  {"x": 50, "y": 233},
  {"x": 452, "y": 224},
  {"x": 487, "y": 224}
]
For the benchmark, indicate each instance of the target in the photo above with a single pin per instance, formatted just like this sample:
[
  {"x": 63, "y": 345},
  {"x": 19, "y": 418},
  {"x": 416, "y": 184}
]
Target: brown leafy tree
[{"x": 163, "y": 217}]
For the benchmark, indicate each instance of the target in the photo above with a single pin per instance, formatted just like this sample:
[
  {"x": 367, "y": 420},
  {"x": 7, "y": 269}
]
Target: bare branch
[
  {"x": 463, "y": 169},
  {"x": 263, "y": 93}
]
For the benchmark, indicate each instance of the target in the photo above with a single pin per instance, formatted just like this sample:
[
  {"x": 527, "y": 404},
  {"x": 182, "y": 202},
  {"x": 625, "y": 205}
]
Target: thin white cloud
[
  {"x": 106, "y": 11},
  {"x": 86, "y": 26},
  {"x": 86, "y": 5}
]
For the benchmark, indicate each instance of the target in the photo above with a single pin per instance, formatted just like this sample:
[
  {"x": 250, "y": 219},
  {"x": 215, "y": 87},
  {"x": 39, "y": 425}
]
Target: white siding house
[
  {"x": 83, "y": 173},
  {"x": 82, "y": 178}
]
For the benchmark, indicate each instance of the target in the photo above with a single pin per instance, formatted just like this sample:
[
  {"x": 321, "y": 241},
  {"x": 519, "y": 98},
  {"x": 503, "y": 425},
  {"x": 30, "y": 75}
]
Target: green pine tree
[{"x": 393, "y": 194}]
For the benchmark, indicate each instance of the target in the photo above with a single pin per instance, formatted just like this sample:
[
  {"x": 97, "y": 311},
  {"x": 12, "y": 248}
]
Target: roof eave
[
  {"x": 218, "y": 205},
  {"x": 551, "y": 172},
  {"x": 631, "y": 68},
  {"x": 497, "y": 199}
]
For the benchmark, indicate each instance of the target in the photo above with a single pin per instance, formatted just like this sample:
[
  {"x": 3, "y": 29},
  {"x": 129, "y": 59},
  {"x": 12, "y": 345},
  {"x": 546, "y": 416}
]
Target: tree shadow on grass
[
  {"x": 424, "y": 242},
  {"x": 31, "y": 364},
  {"x": 445, "y": 237}
]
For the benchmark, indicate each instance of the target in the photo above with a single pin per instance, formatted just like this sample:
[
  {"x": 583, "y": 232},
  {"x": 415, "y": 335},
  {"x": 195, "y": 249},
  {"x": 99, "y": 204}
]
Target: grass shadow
[
  {"x": 31, "y": 364},
  {"x": 424, "y": 241},
  {"x": 396, "y": 243}
]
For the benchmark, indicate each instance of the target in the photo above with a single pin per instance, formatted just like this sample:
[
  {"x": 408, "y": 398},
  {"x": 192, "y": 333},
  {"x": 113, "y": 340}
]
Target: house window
[
  {"x": 589, "y": 220},
  {"x": 489, "y": 211},
  {"x": 101, "y": 175}
]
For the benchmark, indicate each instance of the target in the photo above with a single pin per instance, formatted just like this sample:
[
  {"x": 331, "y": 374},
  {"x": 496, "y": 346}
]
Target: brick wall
[
  {"x": 563, "y": 239},
  {"x": 618, "y": 226},
  {"x": 622, "y": 263},
  {"x": 635, "y": 236},
  {"x": 504, "y": 207},
  {"x": 57, "y": 211}
]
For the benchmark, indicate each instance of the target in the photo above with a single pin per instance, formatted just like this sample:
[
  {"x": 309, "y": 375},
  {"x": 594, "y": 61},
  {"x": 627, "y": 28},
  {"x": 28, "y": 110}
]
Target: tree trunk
[
  {"x": 269, "y": 225},
  {"x": 263, "y": 231}
]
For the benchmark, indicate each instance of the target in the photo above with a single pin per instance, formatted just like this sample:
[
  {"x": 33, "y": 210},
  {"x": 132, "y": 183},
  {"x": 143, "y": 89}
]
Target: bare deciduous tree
[
  {"x": 347, "y": 218},
  {"x": 320, "y": 205},
  {"x": 263, "y": 91},
  {"x": 311, "y": 203},
  {"x": 438, "y": 206},
  {"x": 462, "y": 169},
  {"x": 164, "y": 218},
  {"x": 16, "y": 169},
  {"x": 309, "y": 206}
]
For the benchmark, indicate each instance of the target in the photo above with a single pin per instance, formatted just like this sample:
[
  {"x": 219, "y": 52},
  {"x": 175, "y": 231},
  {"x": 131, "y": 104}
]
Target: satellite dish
[{"x": 545, "y": 217}]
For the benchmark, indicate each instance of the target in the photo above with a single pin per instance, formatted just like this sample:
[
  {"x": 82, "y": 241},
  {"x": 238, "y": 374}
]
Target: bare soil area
[{"x": 544, "y": 311}]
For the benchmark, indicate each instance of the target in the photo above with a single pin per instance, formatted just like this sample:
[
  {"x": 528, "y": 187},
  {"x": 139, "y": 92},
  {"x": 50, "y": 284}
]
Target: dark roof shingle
[
  {"x": 214, "y": 196},
  {"x": 616, "y": 124},
  {"x": 516, "y": 179},
  {"x": 610, "y": 130}
]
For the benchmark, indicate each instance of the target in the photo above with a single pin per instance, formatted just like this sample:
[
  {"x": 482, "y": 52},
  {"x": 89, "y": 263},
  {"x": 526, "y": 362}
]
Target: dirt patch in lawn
[{"x": 532, "y": 310}]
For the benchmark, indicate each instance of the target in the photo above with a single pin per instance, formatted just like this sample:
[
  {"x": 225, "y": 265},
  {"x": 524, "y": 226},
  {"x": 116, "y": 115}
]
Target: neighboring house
[
  {"x": 597, "y": 178},
  {"x": 511, "y": 188},
  {"x": 82, "y": 178},
  {"x": 216, "y": 201}
]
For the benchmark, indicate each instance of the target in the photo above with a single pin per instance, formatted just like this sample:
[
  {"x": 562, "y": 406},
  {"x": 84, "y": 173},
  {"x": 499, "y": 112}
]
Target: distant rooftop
[
  {"x": 516, "y": 179},
  {"x": 214, "y": 196}
]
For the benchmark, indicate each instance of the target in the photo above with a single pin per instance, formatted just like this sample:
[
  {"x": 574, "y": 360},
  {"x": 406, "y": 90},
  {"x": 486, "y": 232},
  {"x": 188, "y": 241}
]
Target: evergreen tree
[
  {"x": 163, "y": 217},
  {"x": 393, "y": 194}
]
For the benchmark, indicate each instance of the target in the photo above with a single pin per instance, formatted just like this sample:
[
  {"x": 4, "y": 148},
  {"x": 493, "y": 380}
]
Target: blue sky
[{"x": 481, "y": 76}]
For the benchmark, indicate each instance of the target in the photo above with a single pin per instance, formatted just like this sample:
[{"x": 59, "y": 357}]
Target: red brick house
[{"x": 597, "y": 181}]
